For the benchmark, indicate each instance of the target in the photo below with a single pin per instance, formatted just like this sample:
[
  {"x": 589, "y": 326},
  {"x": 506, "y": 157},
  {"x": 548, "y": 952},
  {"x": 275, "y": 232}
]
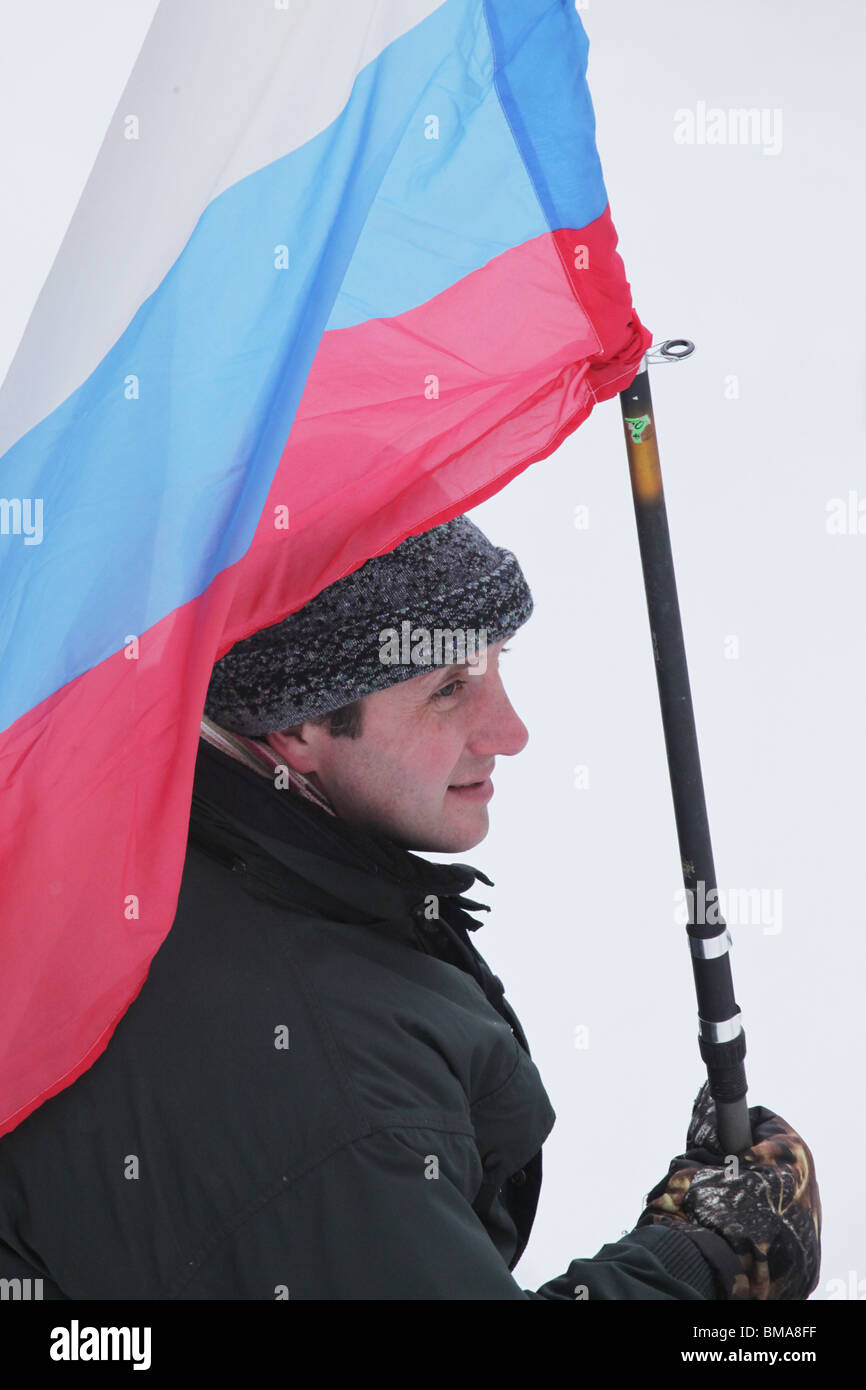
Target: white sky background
[{"x": 757, "y": 258}]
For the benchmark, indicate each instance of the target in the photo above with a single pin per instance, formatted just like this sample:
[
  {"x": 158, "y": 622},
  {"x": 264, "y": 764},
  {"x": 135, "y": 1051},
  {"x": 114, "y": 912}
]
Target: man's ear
[{"x": 296, "y": 746}]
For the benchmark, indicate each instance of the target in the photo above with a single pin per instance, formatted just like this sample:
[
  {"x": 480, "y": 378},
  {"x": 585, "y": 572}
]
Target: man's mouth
[{"x": 474, "y": 791}]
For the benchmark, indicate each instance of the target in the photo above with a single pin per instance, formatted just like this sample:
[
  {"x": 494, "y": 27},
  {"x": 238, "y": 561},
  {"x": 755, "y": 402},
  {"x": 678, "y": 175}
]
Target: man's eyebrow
[
  {"x": 456, "y": 666},
  {"x": 435, "y": 671}
]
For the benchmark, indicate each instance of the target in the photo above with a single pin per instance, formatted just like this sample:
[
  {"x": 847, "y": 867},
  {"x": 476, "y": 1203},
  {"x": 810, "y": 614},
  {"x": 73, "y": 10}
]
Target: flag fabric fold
[{"x": 342, "y": 268}]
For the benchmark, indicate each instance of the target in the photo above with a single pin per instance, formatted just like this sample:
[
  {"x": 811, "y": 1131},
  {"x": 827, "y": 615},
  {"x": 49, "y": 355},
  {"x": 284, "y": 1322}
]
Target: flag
[{"x": 342, "y": 268}]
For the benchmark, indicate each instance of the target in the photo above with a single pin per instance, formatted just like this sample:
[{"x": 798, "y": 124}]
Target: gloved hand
[{"x": 769, "y": 1212}]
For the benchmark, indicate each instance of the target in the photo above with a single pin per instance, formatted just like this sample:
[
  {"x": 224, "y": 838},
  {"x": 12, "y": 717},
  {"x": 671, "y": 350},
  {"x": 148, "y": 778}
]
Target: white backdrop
[{"x": 754, "y": 251}]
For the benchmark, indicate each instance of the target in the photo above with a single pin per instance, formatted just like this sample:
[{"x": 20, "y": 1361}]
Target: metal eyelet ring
[{"x": 667, "y": 348}]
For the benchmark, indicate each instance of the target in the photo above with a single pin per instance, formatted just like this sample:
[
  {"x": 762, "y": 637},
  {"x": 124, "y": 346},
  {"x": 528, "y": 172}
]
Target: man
[{"x": 321, "y": 1091}]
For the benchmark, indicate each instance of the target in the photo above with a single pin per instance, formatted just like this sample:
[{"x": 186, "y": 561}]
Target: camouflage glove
[{"x": 767, "y": 1207}]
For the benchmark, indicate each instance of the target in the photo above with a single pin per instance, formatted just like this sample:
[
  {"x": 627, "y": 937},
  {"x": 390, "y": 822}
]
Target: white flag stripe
[{"x": 214, "y": 103}]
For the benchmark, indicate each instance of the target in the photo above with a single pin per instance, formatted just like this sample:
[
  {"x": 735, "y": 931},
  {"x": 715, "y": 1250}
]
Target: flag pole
[{"x": 721, "y": 1039}]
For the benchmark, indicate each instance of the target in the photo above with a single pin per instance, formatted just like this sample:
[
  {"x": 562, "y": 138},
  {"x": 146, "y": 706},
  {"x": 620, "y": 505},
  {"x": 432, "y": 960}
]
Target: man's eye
[{"x": 447, "y": 690}]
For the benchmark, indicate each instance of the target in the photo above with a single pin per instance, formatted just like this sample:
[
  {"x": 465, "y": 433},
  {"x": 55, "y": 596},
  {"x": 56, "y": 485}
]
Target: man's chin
[
  {"x": 454, "y": 836},
  {"x": 456, "y": 839}
]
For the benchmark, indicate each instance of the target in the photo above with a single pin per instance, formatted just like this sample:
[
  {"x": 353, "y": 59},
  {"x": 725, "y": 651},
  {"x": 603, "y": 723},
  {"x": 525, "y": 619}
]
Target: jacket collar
[{"x": 288, "y": 847}]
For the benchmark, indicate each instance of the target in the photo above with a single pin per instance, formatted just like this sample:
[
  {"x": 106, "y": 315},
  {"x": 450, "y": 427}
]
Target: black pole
[{"x": 721, "y": 1038}]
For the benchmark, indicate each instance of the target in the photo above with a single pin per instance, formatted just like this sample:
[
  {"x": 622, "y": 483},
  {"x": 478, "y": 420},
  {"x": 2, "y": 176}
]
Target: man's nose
[{"x": 502, "y": 730}]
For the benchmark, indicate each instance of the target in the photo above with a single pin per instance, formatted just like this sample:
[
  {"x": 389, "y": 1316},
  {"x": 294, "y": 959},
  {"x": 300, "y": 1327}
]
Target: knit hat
[{"x": 437, "y": 599}]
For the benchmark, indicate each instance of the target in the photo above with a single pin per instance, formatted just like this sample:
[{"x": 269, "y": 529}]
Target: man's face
[{"x": 422, "y": 739}]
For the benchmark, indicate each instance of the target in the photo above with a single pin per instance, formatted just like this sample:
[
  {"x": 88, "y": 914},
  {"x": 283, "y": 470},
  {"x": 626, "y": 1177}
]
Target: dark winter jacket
[{"x": 319, "y": 1093}]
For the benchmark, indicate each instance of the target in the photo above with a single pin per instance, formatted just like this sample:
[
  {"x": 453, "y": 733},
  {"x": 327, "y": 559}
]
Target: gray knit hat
[{"x": 356, "y": 636}]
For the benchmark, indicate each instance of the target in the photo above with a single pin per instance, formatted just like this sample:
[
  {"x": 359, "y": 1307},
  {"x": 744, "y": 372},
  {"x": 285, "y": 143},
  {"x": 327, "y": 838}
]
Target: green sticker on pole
[{"x": 637, "y": 424}]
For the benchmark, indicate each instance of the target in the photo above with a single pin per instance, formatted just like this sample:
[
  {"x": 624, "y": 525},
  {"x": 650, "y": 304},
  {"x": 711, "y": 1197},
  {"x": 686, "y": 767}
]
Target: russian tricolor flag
[{"x": 341, "y": 270}]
